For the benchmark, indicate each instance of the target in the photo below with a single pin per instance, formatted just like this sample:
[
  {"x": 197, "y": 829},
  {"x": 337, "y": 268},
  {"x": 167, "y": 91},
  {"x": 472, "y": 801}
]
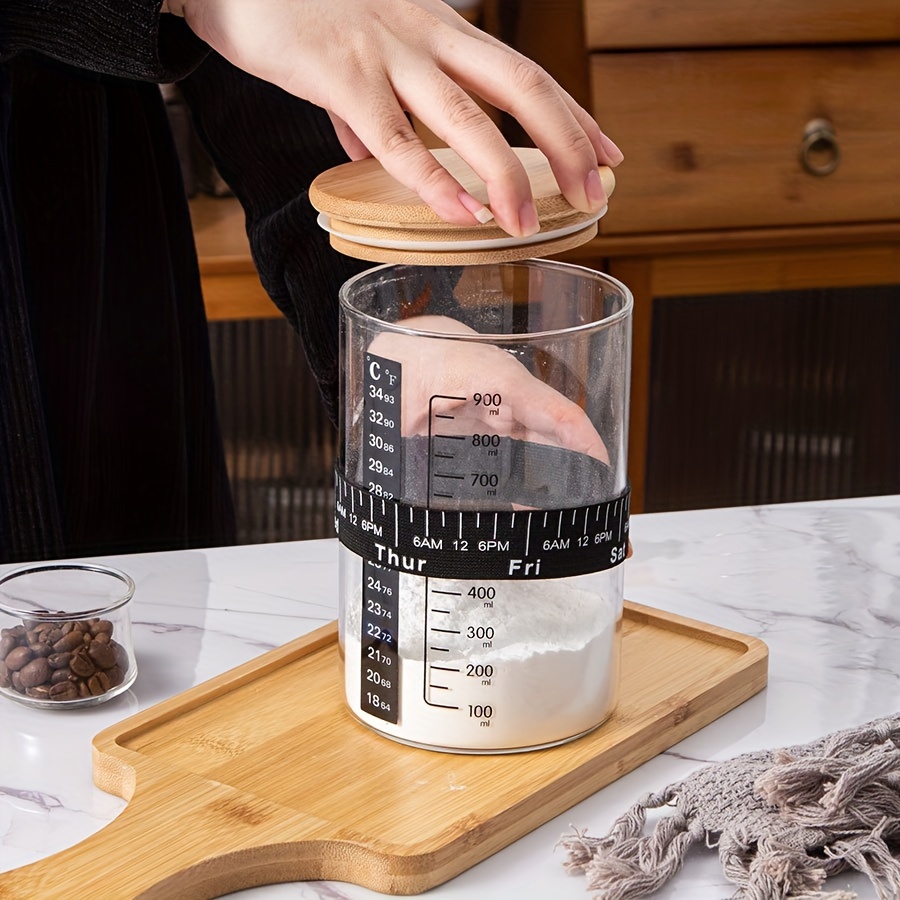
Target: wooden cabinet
[
  {"x": 643, "y": 24},
  {"x": 736, "y": 138},
  {"x": 231, "y": 286},
  {"x": 757, "y": 221}
]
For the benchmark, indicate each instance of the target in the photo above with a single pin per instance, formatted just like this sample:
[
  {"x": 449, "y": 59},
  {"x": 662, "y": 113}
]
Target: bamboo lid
[{"x": 371, "y": 216}]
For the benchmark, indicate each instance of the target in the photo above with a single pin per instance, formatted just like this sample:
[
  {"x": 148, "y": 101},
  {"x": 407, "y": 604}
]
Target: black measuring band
[{"x": 494, "y": 544}]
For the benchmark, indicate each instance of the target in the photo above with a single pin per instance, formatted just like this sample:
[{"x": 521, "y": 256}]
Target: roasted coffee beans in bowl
[{"x": 65, "y": 635}]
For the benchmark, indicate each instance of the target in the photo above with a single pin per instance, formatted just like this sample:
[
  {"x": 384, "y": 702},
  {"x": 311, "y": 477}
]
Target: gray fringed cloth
[{"x": 783, "y": 822}]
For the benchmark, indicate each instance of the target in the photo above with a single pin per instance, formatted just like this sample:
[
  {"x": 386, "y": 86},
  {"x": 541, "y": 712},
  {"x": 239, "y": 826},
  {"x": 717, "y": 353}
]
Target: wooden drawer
[
  {"x": 712, "y": 139},
  {"x": 620, "y": 24}
]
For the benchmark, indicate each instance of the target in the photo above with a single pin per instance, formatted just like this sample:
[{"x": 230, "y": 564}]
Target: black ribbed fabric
[
  {"x": 127, "y": 38},
  {"x": 269, "y": 146},
  {"x": 108, "y": 435}
]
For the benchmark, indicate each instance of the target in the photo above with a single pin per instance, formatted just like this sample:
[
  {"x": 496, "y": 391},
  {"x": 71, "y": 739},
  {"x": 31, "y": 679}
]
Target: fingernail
[
  {"x": 528, "y": 219},
  {"x": 476, "y": 207},
  {"x": 613, "y": 153},
  {"x": 593, "y": 189}
]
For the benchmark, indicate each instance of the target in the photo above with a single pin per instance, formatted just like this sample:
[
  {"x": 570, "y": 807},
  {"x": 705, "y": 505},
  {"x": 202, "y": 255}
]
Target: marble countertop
[{"x": 819, "y": 583}]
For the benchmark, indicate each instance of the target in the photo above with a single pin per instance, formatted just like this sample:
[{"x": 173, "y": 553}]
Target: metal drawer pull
[{"x": 820, "y": 153}]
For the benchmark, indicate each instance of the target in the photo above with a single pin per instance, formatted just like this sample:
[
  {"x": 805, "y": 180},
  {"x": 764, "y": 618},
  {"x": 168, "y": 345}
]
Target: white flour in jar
[{"x": 549, "y": 674}]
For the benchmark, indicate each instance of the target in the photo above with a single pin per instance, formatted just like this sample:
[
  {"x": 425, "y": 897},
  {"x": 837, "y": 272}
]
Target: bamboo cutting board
[{"x": 261, "y": 775}]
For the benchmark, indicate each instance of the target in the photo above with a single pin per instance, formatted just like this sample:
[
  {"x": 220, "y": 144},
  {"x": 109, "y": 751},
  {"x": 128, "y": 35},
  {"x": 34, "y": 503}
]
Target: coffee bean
[
  {"x": 101, "y": 626},
  {"x": 68, "y": 642},
  {"x": 98, "y": 684},
  {"x": 61, "y": 675},
  {"x": 65, "y": 690},
  {"x": 81, "y": 664},
  {"x": 17, "y": 658},
  {"x": 122, "y": 660},
  {"x": 102, "y": 655},
  {"x": 54, "y": 635},
  {"x": 7, "y": 643},
  {"x": 59, "y": 660},
  {"x": 35, "y": 672},
  {"x": 38, "y": 692}
]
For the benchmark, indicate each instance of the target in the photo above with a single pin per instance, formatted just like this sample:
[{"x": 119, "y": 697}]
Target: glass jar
[{"x": 65, "y": 635}]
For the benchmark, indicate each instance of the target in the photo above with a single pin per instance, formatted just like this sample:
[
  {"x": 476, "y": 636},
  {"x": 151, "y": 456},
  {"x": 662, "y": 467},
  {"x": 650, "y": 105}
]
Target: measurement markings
[
  {"x": 443, "y": 668},
  {"x": 447, "y": 593},
  {"x": 448, "y": 475},
  {"x": 451, "y": 437},
  {"x": 445, "y": 455},
  {"x": 446, "y": 612},
  {"x": 440, "y": 649},
  {"x": 443, "y": 416},
  {"x": 446, "y": 631},
  {"x": 439, "y": 687}
]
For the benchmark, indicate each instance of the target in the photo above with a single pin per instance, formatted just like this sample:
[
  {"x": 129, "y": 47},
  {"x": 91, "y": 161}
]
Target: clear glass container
[
  {"x": 485, "y": 410},
  {"x": 65, "y": 635}
]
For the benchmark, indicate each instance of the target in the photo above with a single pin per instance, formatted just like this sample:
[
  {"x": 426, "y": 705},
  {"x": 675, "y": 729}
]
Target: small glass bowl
[{"x": 65, "y": 635}]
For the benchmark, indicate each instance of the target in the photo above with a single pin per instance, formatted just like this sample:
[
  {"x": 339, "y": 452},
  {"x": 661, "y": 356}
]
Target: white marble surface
[{"x": 820, "y": 583}]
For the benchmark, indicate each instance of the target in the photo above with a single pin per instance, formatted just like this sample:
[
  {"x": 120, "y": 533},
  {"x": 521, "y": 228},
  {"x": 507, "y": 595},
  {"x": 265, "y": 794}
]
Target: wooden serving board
[{"x": 261, "y": 775}]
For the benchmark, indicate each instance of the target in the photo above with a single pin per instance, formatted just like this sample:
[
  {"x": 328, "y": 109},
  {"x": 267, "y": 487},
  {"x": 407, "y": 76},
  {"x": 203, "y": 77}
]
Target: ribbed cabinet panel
[
  {"x": 774, "y": 397},
  {"x": 279, "y": 442}
]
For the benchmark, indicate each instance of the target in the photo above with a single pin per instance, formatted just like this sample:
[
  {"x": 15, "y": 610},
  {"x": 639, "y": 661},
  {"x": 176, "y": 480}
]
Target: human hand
[
  {"x": 529, "y": 409},
  {"x": 369, "y": 61}
]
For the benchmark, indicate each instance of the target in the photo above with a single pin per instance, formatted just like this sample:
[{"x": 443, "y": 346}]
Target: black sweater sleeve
[
  {"x": 127, "y": 38},
  {"x": 268, "y": 146}
]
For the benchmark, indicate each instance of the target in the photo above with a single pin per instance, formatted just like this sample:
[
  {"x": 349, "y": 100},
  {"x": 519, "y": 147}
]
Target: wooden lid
[{"x": 372, "y": 216}]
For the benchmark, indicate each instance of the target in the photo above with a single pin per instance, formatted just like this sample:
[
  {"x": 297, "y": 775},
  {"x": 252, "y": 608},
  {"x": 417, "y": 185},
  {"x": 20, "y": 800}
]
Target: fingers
[
  {"x": 567, "y": 135},
  {"x": 554, "y": 418},
  {"x": 432, "y": 84},
  {"x": 381, "y": 127},
  {"x": 530, "y": 409},
  {"x": 453, "y": 116}
]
